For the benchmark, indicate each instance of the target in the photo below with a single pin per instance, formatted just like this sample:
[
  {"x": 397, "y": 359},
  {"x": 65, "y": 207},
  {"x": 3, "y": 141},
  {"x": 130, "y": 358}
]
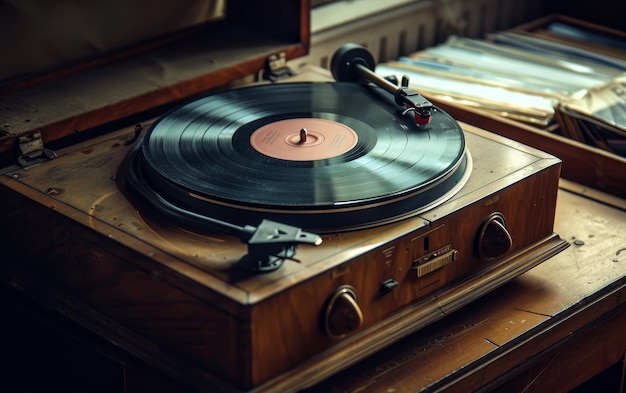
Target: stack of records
[
  {"x": 597, "y": 117},
  {"x": 540, "y": 79}
]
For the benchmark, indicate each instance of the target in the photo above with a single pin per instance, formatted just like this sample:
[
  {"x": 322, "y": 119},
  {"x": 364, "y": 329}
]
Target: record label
[{"x": 303, "y": 139}]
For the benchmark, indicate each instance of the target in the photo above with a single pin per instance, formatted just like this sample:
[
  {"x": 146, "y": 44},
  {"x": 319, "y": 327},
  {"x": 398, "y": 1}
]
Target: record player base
[
  {"x": 550, "y": 329},
  {"x": 162, "y": 294}
]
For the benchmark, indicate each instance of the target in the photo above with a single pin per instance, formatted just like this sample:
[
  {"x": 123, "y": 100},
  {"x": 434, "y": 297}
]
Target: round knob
[
  {"x": 343, "y": 314},
  {"x": 493, "y": 238}
]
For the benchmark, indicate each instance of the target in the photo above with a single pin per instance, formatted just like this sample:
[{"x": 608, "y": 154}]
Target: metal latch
[
  {"x": 276, "y": 67},
  {"x": 32, "y": 150}
]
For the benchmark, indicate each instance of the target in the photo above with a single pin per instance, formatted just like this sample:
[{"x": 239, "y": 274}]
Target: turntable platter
[{"x": 323, "y": 156}]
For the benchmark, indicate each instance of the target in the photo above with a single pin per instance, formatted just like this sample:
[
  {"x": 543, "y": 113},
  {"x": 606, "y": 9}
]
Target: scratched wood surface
[{"x": 550, "y": 329}]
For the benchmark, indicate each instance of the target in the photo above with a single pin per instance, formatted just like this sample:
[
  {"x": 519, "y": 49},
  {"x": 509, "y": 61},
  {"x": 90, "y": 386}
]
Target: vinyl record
[{"x": 320, "y": 156}]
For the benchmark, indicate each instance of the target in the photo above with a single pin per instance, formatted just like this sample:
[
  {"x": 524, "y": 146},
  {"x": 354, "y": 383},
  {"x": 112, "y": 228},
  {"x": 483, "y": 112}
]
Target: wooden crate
[
  {"x": 589, "y": 166},
  {"x": 537, "y": 28}
]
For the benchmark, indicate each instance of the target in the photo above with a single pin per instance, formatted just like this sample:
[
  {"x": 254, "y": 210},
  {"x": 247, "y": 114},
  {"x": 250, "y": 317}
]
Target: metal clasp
[
  {"x": 276, "y": 68},
  {"x": 32, "y": 150}
]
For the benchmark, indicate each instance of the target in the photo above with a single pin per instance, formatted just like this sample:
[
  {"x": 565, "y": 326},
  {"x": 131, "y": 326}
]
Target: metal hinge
[
  {"x": 276, "y": 67},
  {"x": 32, "y": 150}
]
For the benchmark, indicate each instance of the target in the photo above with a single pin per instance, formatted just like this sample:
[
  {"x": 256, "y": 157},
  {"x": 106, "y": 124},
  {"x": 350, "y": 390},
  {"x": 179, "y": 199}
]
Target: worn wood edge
[
  {"x": 578, "y": 316},
  {"x": 592, "y": 193},
  {"x": 506, "y": 140},
  {"x": 411, "y": 319},
  {"x": 556, "y": 352}
]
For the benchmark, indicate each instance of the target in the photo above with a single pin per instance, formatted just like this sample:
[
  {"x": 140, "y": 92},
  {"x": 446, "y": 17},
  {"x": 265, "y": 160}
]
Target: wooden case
[{"x": 178, "y": 309}]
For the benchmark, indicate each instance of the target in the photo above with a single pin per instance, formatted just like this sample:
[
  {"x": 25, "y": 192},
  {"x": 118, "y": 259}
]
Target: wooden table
[{"x": 549, "y": 330}]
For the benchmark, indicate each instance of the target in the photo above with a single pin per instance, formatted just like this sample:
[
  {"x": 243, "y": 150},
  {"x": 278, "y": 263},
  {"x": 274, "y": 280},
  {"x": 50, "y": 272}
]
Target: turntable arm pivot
[{"x": 353, "y": 62}]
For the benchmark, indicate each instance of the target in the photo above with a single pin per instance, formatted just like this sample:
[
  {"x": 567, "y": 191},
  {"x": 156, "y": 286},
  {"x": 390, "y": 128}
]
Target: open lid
[{"x": 87, "y": 64}]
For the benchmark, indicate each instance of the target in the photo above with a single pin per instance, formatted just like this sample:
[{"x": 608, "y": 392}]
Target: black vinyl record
[{"x": 321, "y": 156}]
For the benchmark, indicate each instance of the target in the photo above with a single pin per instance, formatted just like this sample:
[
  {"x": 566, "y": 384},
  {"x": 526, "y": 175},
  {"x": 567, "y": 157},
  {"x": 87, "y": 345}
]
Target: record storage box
[{"x": 592, "y": 168}]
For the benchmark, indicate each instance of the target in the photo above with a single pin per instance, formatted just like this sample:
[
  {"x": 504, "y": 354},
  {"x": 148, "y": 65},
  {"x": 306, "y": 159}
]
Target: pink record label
[{"x": 303, "y": 139}]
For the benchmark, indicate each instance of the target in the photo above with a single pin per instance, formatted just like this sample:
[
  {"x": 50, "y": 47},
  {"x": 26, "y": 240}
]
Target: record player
[{"x": 265, "y": 237}]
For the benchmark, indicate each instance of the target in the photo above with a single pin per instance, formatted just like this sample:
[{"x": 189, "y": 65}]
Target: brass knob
[
  {"x": 343, "y": 314},
  {"x": 494, "y": 240}
]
